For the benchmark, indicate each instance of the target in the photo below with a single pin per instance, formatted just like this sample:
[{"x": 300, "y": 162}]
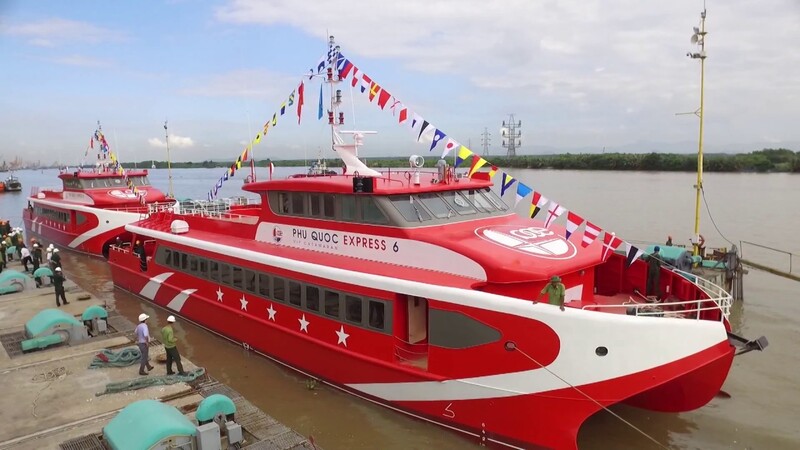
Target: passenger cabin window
[
  {"x": 496, "y": 201},
  {"x": 295, "y": 293},
  {"x": 263, "y": 285},
  {"x": 376, "y": 315},
  {"x": 370, "y": 212},
  {"x": 353, "y": 308},
  {"x": 250, "y": 281},
  {"x": 451, "y": 329},
  {"x": 348, "y": 207},
  {"x": 312, "y": 298},
  {"x": 332, "y": 303},
  {"x": 298, "y": 203},
  {"x": 279, "y": 289}
]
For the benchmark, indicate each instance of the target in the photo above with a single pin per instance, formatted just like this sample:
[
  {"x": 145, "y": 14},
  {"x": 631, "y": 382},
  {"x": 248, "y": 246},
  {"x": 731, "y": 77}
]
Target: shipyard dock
[{"x": 53, "y": 400}]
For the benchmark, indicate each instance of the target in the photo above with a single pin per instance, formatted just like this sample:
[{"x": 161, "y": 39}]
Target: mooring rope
[
  {"x": 642, "y": 432},
  {"x": 109, "y": 358},
  {"x": 143, "y": 382},
  {"x": 59, "y": 373}
]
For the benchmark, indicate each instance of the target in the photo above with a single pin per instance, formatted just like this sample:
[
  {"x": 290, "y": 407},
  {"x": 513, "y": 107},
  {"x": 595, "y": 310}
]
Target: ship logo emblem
[
  {"x": 277, "y": 234},
  {"x": 534, "y": 241}
]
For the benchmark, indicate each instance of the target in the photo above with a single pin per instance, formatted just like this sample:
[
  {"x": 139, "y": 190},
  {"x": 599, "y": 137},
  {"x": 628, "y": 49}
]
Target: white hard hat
[
  {"x": 58, "y": 269},
  {"x": 143, "y": 317},
  {"x": 50, "y": 246},
  {"x": 55, "y": 250},
  {"x": 171, "y": 319}
]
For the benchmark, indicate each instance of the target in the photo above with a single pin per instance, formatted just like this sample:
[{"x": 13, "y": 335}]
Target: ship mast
[
  {"x": 335, "y": 117},
  {"x": 699, "y": 38},
  {"x": 169, "y": 161}
]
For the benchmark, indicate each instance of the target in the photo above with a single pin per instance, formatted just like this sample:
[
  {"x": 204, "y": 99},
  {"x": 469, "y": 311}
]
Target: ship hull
[{"x": 549, "y": 418}]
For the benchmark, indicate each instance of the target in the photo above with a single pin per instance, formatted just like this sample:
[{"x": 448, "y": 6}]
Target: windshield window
[
  {"x": 479, "y": 201},
  {"x": 409, "y": 208},
  {"x": 457, "y": 202},
  {"x": 492, "y": 197},
  {"x": 436, "y": 205}
]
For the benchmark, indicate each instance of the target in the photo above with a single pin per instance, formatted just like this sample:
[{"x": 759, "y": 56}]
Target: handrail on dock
[{"x": 764, "y": 266}]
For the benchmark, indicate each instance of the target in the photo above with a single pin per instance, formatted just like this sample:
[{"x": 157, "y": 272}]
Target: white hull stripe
[
  {"x": 151, "y": 288},
  {"x": 177, "y": 303},
  {"x": 634, "y": 344}
]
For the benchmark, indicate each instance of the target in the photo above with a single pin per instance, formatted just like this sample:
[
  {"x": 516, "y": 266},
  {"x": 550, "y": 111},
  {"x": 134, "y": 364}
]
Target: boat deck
[{"x": 630, "y": 304}]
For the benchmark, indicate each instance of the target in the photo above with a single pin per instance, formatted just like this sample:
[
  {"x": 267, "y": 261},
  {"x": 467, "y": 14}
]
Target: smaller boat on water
[
  {"x": 90, "y": 209},
  {"x": 11, "y": 184}
]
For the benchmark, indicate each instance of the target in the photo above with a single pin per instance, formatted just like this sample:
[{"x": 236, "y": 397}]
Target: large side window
[
  {"x": 298, "y": 200},
  {"x": 331, "y": 303},
  {"x": 451, "y": 329},
  {"x": 213, "y": 271},
  {"x": 250, "y": 281},
  {"x": 370, "y": 212},
  {"x": 279, "y": 289},
  {"x": 312, "y": 298},
  {"x": 263, "y": 285},
  {"x": 377, "y": 318},
  {"x": 225, "y": 274},
  {"x": 348, "y": 205},
  {"x": 410, "y": 209},
  {"x": 203, "y": 272},
  {"x": 354, "y": 307},
  {"x": 295, "y": 293},
  {"x": 238, "y": 277}
]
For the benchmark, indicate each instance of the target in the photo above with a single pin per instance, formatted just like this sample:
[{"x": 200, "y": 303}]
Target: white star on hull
[
  {"x": 271, "y": 311},
  {"x": 243, "y": 302},
  {"x": 342, "y": 336},
  {"x": 219, "y": 294},
  {"x": 303, "y": 323}
]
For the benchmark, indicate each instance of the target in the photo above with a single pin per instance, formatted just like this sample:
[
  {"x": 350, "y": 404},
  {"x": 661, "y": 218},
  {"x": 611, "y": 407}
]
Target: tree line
[{"x": 766, "y": 160}]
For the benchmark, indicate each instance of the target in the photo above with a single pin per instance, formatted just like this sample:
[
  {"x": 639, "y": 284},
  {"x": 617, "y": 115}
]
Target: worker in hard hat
[
  {"x": 171, "y": 347},
  {"x": 143, "y": 342},
  {"x": 58, "y": 283}
]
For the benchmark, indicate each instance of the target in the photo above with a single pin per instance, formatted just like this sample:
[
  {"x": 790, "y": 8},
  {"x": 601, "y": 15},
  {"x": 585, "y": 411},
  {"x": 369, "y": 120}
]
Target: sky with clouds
[{"x": 581, "y": 75}]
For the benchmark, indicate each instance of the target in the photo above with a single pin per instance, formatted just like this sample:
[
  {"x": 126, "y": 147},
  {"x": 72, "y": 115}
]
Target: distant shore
[{"x": 762, "y": 161}]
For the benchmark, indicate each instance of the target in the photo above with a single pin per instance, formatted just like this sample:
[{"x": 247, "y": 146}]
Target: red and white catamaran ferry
[{"x": 413, "y": 290}]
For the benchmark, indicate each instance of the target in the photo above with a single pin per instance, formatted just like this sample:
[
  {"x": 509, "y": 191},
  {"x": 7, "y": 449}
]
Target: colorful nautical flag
[
  {"x": 275, "y": 119},
  {"x": 395, "y": 104},
  {"x": 492, "y": 172},
  {"x": 506, "y": 183},
  {"x": 373, "y": 90},
  {"x": 610, "y": 243},
  {"x": 347, "y": 66},
  {"x": 291, "y": 99},
  {"x": 283, "y": 108},
  {"x": 573, "y": 222},
  {"x": 257, "y": 139},
  {"x": 553, "y": 212},
  {"x": 449, "y": 147},
  {"x": 319, "y": 111},
  {"x": 632, "y": 252},
  {"x": 477, "y": 163},
  {"x": 463, "y": 154},
  {"x": 538, "y": 201},
  {"x": 438, "y": 135},
  {"x": 522, "y": 191},
  {"x": 383, "y": 98},
  {"x": 366, "y": 83},
  {"x": 590, "y": 233},
  {"x": 403, "y": 116},
  {"x": 422, "y": 128},
  {"x": 300, "y": 101},
  {"x": 355, "y": 79}
]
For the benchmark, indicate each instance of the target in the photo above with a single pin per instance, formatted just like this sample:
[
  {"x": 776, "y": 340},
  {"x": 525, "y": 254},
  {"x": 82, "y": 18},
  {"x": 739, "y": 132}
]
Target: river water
[{"x": 762, "y": 411}]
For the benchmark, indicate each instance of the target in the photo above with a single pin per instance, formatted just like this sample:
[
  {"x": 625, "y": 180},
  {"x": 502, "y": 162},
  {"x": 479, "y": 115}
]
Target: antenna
[
  {"x": 511, "y": 135},
  {"x": 485, "y": 139},
  {"x": 169, "y": 161}
]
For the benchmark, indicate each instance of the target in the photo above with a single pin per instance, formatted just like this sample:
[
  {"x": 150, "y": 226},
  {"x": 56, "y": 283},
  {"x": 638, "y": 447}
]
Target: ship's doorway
[{"x": 412, "y": 348}]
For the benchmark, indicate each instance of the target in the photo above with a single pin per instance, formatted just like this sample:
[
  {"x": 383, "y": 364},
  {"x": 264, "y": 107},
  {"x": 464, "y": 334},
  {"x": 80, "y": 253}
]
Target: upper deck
[{"x": 103, "y": 188}]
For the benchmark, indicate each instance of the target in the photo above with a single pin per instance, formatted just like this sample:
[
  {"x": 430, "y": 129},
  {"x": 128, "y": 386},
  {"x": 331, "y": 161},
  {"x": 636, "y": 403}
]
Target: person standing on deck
[
  {"x": 143, "y": 342},
  {"x": 58, "y": 283},
  {"x": 49, "y": 253},
  {"x": 654, "y": 273},
  {"x": 170, "y": 346},
  {"x": 555, "y": 291},
  {"x": 2, "y": 255}
]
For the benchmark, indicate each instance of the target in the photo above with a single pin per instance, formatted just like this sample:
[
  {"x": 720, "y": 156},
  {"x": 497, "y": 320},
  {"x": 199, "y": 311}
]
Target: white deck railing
[{"x": 718, "y": 299}]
